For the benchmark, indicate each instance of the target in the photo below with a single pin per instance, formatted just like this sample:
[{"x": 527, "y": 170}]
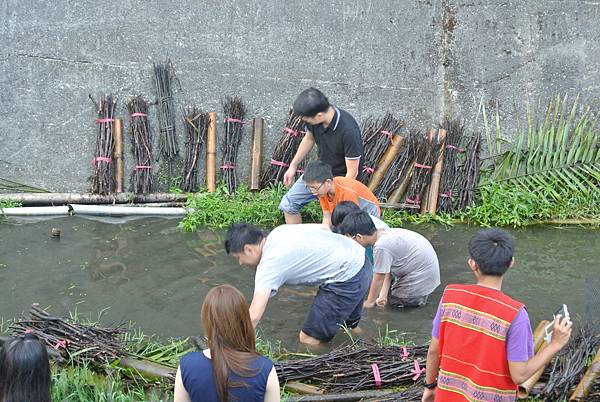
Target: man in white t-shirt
[{"x": 305, "y": 255}]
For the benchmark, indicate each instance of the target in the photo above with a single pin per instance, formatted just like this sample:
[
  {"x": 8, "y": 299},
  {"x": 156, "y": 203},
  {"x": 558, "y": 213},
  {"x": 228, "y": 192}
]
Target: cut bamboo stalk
[
  {"x": 587, "y": 381},
  {"x": 148, "y": 369},
  {"x": 526, "y": 387},
  {"x": 118, "y": 156},
  {"x": 385, "y": 161},
  {"x": 211, "y": 153},
  {"x": 303, "y": 389},
  {"x": 398, "y": 193},
  {"x": 87, "y": 198},
  {"x": 434, "y": 185},
  {"x": 538, "y": 335},
  {"x": 258, "y": 124}
]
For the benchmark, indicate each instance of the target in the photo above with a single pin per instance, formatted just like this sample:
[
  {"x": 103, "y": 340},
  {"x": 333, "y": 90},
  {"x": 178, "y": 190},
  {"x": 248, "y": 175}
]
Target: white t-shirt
[{"x": 306, "y": 255}]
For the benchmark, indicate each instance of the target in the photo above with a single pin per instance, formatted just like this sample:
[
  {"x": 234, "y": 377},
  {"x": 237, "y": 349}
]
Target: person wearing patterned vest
[{"x": 482, "y": 346}]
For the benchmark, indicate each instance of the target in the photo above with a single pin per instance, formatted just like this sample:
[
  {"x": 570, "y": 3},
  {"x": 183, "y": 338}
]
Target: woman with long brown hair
[{"x": 230, "y": 369}]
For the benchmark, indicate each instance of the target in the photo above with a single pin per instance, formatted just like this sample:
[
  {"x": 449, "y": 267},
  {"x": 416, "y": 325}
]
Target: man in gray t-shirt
[
  {"x": 406, "y": 265},
  {"x": 305, "y": 255}
]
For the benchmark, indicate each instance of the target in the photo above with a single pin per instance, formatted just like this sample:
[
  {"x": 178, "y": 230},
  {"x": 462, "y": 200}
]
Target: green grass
[{"x": 8, "y": 203}]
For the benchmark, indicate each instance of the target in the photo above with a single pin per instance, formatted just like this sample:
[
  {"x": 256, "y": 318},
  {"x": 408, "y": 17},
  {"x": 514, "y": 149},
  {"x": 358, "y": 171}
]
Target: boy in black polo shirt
[{"x": 339, "y": 144}]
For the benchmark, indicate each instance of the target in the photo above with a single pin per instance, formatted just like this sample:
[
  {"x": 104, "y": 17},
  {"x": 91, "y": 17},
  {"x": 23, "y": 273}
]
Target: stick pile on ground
[
  {"x": 142, "y": 181},
  {"x": 81, "y": 343},
  {"x": 103, "y": 177},
  {"x": 234, "y": 112},
  {"x": 196, "y": 123}
]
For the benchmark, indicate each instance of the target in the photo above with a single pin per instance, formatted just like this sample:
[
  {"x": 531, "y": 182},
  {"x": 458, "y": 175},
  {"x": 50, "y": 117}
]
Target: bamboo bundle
[
  {"x": 357, "y": 367},
  {"x": 469, "y": 175},
  {"x": 196, "y": 124},
  {"x": 211, "y": 153},
  {"x": 399, "y": 172},
  {"x": 587, "y": 381},
  {"x": 454, "y": 134},
  {"x": 425, "y": 153},
  {"x": 293, "y": 133},
  {"x": 73, "y": 341},
  {"x": 234, "y": 112},
  {"x": 103, "y": 181},
  {"x": 430, "y": 206},
  {"x": 386, "y": 161},
  {"x": 141, "y": 179},
  {"x": 377, "y": 135},
  {"x": 118, "y": 156},
  {"x": 258, "y": 124},
  {"x": 167, "y": 140}
]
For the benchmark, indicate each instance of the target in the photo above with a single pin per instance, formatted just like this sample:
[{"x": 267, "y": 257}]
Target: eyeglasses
[{"x": 315, "y": 189}]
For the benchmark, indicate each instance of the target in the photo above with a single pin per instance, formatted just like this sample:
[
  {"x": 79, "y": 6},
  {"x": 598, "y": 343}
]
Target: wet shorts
[
  {"x": 401, "y": 302},
  {"x": 337, "y": 304}
]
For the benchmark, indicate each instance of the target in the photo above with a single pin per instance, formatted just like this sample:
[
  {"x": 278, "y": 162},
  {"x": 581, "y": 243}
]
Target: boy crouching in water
[{"x": 482, "y": 345}]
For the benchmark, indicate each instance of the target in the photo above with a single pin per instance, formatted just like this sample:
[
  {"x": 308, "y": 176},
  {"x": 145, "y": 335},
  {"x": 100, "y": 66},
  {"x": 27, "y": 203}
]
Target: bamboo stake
[
  {"x": 398, "y": 193},
  {"x": 118, "y": 156},
  {"x": 539, "y": 344},
  {"x": 434, "y": 186},
  {"x": 211, "y": 153},
  {"x": 88, "y": 198},
  {"x": 258, "y": 124},
  {"x": 386, "y": 161},
  {"x": 538, "y": 335},
  {"x": 587, "y": 381}
]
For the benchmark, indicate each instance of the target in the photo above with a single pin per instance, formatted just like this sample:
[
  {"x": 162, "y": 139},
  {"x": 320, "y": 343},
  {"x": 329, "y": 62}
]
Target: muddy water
[{"x": 148, "y": 272}]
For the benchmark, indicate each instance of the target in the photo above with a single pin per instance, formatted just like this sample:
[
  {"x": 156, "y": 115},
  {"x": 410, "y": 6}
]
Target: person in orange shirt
[{"x": 333, "y": 190}]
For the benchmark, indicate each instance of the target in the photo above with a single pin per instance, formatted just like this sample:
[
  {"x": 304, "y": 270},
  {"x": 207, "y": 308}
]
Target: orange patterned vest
[{"x": 472, "y": 345}]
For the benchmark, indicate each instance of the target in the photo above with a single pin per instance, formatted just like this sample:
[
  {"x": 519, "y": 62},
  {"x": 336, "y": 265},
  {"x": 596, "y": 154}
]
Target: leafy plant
[{"x": 8, "y": 203}]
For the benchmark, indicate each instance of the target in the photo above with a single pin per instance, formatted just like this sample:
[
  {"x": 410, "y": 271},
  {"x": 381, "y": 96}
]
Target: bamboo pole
[
  {"x": 148, "y": 369},
  {"x": 587, "y": 381},
  {"x": 258, "y": 124},
  {"x": 118, "y": 156},
  {"x": 539, "y": 344},
  {"x": 434, "y": 186},
  {"x": 346, "y": 397},
  {"x": 397, "y": 194},
  {"x": 87, "y": 198},
  {"x": 385, "y": 161},
  {"x": 211, "y": 153},
  {"x": 538, "y": 335}
]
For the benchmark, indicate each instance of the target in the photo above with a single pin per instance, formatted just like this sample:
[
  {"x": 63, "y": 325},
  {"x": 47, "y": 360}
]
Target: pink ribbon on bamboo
[
  {"x": 405, "y": 353},
  {"x": 139, "y": 114},
  {"x": 367, "y": 169},
  {"x": 101, "y": 159},
  {"x": 417, "y": 371},
  {"x": 227, "y": 166},
  {"x": 232, "y": 120},
  {"x": 292, "y": 132},
  {"x": 376, "y": 374},
  {"x": 389, "y": 135}
]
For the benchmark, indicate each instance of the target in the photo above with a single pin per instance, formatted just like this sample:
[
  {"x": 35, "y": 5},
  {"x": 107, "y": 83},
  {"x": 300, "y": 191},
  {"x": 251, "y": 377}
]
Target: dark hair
[
  {"x": 492, "y": 250},
  {"x": 358, "y": 222},
  {"x": 230, "y": 335},
  {"x": 310, "y": 102},
  {"x": 24, "y": 370},
  {"x": 241, "y": 234},
  {"x": 341, "y": 210},
  {"x": 317, "y": 172}
]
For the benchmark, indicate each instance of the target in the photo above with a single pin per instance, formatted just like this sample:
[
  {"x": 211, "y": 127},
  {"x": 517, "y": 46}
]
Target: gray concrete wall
[{"x": 419, "y": 58}]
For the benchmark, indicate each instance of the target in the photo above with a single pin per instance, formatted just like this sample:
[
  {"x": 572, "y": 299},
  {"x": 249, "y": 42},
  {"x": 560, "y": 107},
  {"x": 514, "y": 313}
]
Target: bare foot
[
  {"x": 368, "y": 304},
  {"x": 308, "y": 340}
]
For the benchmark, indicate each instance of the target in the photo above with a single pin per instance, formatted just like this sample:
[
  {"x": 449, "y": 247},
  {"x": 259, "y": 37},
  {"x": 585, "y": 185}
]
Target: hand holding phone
[{"x": 549, "y": 329}]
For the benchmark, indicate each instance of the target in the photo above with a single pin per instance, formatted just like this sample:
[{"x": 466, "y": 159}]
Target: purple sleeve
[
  {"x": 435, "y": 332},
  {"x": 519, "y": 340}
]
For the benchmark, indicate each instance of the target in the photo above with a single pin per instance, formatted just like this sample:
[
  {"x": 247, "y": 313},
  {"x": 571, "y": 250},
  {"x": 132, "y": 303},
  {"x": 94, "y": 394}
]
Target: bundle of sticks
[
  {"x": 293, "y": 133},
  {"x": 142, "y": 181},
  {"x": 103, "y": 178},
  {"x": 425, "y": 151},
  {"x": 358, "y": 366},
  {"x": 196, "y": 127},
  {"x": 469, "y": 173},
  {"x": 82, "y": 344},
  {"x": 234, "y": 112},
  {"x": 167, "y": 141},
  {"x": 377, "y": 136},
  {"x": 454, "y": 133},
  {"x": 399, "y": 171}
]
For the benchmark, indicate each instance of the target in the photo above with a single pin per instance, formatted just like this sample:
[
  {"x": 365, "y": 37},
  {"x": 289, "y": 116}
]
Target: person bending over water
[
  {"x": 24, "y": 370},
  {"x": 230, "y": 369},
  {"x": 305, "y": 255},
  {"x": 406, "y": 265}
]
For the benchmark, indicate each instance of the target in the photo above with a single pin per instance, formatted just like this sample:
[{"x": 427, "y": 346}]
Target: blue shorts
[
  {"x": 296, "y": 198},
  {"x": 337, "y": 304}
]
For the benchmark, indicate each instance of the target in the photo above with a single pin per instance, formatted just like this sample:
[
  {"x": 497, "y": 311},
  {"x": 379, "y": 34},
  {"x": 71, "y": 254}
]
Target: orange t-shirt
[{"x": 347, "y": 189}]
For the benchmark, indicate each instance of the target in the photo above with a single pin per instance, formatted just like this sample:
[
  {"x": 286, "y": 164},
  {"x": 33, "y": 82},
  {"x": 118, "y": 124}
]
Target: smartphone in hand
[{"x": 564, "y": 312}]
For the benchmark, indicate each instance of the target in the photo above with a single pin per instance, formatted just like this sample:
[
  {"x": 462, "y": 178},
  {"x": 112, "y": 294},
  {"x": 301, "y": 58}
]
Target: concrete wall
[{"x": 419, "y": 58}]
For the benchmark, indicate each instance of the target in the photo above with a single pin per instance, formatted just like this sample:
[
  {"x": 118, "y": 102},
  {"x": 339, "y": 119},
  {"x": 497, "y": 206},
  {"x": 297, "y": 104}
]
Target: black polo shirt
[{"x": 341, "y": 140}]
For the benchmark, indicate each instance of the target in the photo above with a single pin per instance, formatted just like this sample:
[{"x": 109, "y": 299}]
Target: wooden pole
[
  {"x": 258, "y": 124},
  {"x": 211, "y": 153},
  {"x": 434, "y": 186},
  {"x": 587, "y": 381},
  {"x": 397, "y": 194},
  {"x": 87, "y": 198},
  {"x": 385, "y": 161},
  {"x": 539, "y": 344},
  {"x": 118, "y": 156}
]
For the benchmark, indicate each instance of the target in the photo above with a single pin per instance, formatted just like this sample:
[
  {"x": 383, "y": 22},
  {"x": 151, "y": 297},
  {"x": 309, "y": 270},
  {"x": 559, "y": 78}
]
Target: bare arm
[
  {"x": 352, "y": 166},
  {"x": 374, "y": 290},
  {"x": 432, "y": 368},
  {"x": 181, "y": 394},
  {"x": 272, "y": 392},
  {"x": 327, "y": 219},
  {"x": 522, "y": 371},
  {"x": 303, "y": 149},
  {"x": 258, "y": 305},
  {"x": 385, "y": 288}
]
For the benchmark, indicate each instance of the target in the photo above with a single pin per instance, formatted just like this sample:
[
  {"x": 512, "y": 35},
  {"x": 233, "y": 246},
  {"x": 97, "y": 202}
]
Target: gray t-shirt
[
  {"x": 306, "y": 255},
  {"x": 379, "y": 224},
  {"x": 410, "y": 258}
]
